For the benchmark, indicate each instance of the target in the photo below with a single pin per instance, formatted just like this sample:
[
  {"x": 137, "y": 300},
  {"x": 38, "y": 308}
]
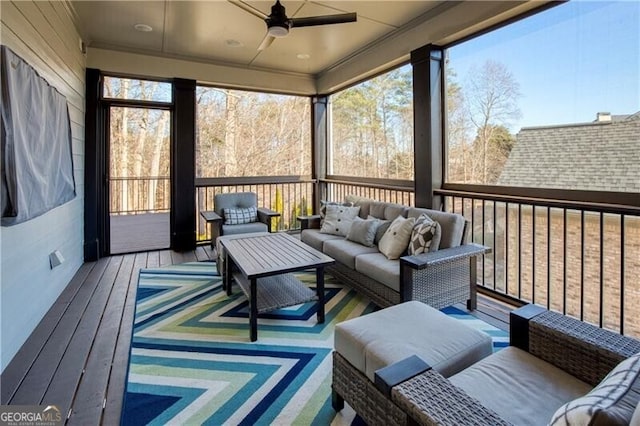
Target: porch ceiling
[{"x": 206, "y": 31}]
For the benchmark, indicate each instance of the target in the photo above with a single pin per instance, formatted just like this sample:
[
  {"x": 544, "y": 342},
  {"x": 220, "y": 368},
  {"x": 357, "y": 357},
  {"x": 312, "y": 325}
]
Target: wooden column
[
  {"x": 95, "y": 245},
  {"x": 428, "y": 124},
  {"x": 319, "y": 140},
  {"x": 183, "y": 148}
]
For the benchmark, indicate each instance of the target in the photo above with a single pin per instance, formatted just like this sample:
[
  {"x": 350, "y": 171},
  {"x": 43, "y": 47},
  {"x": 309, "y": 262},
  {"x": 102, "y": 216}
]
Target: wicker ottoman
[{"x": 365, "y": 344}]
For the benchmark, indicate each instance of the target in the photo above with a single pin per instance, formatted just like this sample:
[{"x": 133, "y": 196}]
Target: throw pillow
[
  {"x": 611, "y": 402},
  {"x": 383, "y": 225},
  {"x": 338, "y": 220},
  {"x": 394, "y": 242},
  {"x": 363, "y": 231},
  {"x": 240, "y": 216},
  {"x": 324, "y": 204},
  {"x": 423, "y": 235}
]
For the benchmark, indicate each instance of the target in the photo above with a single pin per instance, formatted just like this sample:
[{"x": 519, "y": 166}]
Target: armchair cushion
[
  {"x": 244, "y": 228},
  {"x": 611, "y": 402},
  {"x": 521, "y": 388},
  {"x": 240, "y": 216}
]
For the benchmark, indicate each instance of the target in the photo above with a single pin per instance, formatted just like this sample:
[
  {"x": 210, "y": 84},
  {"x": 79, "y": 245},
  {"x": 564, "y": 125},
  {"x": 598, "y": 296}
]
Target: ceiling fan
[{"x": 278, "y": 24}]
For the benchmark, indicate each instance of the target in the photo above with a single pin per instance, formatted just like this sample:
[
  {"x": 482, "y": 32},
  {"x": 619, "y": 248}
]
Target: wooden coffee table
[{"x": 263, "y": 266}]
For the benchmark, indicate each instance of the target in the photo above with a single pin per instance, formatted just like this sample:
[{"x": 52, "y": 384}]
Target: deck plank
[
  {"x": 118, "y": 379},
  {"x": 73, "y": 363},
  {"x": 87, "y": 406},
  {"x": 19, "y": 366},
  {"x": 35, "y": 383}
]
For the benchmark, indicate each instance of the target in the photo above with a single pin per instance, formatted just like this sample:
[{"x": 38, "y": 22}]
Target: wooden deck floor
[
  {"x": 77, "y": 356},
  {"x": 139, "y": 232}
]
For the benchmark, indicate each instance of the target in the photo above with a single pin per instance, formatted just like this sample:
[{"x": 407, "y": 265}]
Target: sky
[{"x": 571, "y": 61}]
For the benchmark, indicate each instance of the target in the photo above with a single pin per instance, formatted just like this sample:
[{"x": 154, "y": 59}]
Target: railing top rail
[
  {"x": 139, "y": 177},
  {"x": 544, "y": 202},
  {"x": 392, "y": 184},
  {"x": 251, "y": 180}
]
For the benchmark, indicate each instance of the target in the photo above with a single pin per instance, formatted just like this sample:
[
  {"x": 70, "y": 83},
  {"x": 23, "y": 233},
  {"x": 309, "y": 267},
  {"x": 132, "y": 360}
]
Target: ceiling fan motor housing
[{"x": 277, "y": 23}]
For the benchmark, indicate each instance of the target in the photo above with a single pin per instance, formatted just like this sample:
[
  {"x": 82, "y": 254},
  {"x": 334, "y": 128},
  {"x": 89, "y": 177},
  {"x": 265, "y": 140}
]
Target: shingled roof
[{"x": 596, "y": 156}]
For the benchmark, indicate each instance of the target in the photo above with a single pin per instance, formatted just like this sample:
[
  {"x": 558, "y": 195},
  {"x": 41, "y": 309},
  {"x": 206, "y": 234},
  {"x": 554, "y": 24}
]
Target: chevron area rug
[{"x": 192, "y": 362}]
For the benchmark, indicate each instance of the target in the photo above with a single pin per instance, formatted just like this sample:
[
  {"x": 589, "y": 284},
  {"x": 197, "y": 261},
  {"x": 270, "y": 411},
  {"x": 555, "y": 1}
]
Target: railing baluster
[
  {"x": 494, "y": 245},
  {"x": 582, "y": 221},
  {"x": 622, "y": 272},
  {"x": 601, "y": 269},
  {"x": 533, "y": 253},
  {"x": 519, "y": 251},
  {"x": 506, "y": 248},
  {"x": 548, "y": 258},
  {"x": 564, "y": 261}
]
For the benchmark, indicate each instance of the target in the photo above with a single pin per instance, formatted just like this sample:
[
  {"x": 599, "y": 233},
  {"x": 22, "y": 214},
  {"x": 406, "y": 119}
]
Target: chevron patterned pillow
[{"x": 423, "y": 235}]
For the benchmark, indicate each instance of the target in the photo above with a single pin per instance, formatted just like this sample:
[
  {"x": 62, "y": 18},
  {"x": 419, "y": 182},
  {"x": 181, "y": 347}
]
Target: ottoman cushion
[{"x": 384, "y": 337}]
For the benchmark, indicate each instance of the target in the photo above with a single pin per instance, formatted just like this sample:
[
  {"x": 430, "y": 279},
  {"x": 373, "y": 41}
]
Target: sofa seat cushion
[
  {"x": 316, "y": 239},
  {"x": 451, "y": 225},
  {"x": 244, "y": 228},
  {"x": 521, "y": 388},
  {"x": 377, "y": 267},
  {"x": 345, "y": 251},
  {"x": 381, "y": 338}
]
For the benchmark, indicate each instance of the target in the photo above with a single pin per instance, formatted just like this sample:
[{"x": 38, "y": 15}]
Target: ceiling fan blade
[
  {"x": 248, "y": 8},
  {"x": 323, "y": 20},
  {"x": 266, "y": 42}
]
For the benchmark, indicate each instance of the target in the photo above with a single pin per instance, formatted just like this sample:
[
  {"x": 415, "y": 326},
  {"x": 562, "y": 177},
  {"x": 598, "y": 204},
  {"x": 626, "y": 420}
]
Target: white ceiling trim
[{"x": 119, "y": 62}]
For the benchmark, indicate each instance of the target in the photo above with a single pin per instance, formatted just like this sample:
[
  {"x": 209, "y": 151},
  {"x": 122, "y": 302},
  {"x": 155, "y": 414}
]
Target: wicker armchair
[{"x": 584, "y": 351}]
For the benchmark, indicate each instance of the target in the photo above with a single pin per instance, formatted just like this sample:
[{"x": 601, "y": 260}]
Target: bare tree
[{"x": 492, "y": 94}]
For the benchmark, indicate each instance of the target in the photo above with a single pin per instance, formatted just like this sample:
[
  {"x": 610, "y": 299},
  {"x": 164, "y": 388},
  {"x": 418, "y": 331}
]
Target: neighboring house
[{"x": 603, "y": 155}]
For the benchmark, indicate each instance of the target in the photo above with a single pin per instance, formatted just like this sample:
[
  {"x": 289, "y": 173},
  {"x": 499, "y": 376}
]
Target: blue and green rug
[{"x": 192, "y": 362}]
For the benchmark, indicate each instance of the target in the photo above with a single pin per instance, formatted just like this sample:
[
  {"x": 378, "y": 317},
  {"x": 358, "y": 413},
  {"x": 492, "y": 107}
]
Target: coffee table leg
[
  {"x": 320, "y": 293},
  {"x": 253, "y": 311},
  {"x": 227, "y": 273}
]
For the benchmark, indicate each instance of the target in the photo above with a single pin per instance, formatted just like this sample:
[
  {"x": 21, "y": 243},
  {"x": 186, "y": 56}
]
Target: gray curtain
[{"x": 37, "y": 163}]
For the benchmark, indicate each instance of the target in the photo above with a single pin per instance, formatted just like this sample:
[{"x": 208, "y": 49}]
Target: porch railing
[
  {"x": 135, "y": 195},
  {"x": 292, "y": 196},
  {"x": 581, "y": 259},
  {"x": 390, "y": 191}
]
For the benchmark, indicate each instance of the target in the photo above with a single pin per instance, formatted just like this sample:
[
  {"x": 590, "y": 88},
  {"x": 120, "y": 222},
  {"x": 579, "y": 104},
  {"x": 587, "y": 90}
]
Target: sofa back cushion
[
  {"x": 612, "y": 402},
  {"x": 451, "y": 225}
]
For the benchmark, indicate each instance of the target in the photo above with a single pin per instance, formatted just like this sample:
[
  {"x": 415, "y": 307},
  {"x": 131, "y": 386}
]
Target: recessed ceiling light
[
  {"x": 143, "y": 28},
  {"x": 233, "y": 43},
  {"x": 303, "y": 56}
]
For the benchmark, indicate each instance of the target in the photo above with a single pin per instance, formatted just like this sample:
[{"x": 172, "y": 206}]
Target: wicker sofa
[
  {"x": 556, "y": 368},
  {"x": 440, "y": 278}
]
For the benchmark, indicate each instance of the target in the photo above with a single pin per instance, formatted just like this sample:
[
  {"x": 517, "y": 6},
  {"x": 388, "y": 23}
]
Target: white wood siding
[{"x": 44, "y": 35}]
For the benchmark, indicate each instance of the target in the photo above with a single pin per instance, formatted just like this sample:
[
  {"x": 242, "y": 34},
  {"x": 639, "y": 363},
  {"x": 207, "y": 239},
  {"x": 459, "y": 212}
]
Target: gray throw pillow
[
  {"x": 363, "y": 231},
  {"x": 383, "y": 225},
  {"x": 338, "y": 220}
]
